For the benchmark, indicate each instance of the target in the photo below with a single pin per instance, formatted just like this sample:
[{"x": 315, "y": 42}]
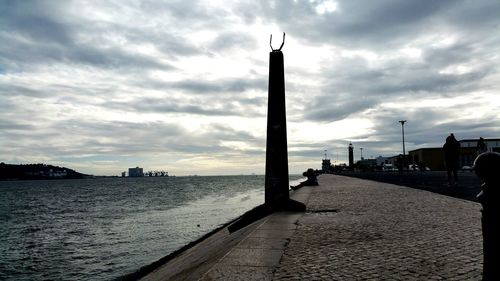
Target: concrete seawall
[{"x": 352, "y": 229}]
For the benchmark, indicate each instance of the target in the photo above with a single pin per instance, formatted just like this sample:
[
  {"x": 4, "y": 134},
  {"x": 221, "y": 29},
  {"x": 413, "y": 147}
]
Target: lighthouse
[{"x": 351, "y": 156}]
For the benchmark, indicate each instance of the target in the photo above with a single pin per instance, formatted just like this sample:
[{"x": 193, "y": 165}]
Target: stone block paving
[
  {"x": 364, "y": 230},
  {"x": 258, "y": 255}
]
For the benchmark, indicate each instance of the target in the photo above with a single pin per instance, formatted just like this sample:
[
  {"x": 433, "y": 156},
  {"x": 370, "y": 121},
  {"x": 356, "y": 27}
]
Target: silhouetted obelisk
[{"x": 276, "y": 183}]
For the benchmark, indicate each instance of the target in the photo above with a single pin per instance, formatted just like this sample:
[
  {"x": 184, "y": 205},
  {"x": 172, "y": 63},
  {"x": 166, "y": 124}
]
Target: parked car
[
  {"x": 415, "y": 167},
  {"x": 466, "y": 168},
  {"x": 388, "y": 167}
]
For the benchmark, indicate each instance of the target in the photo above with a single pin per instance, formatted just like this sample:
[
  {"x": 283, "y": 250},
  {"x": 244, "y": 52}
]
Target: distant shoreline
[{"x": 15, "y": 172}]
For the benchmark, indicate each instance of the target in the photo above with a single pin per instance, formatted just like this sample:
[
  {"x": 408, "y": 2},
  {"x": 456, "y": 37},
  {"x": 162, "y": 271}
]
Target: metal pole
[
  {"x": 351, "y": 155},
  {"x": 486, "y": 166},
  {"x": 403, "y": 133}
]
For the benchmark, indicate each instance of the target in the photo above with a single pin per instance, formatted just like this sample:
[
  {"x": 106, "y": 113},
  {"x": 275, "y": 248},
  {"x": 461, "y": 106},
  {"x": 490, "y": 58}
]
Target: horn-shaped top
[{"x": 271, "y": 41}]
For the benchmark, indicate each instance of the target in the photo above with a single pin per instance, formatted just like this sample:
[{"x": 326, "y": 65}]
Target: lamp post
[
  {"x": 351, "y": 156},
  {"x": 361, "y": 149},
  {"x": 403, "y": 133}
]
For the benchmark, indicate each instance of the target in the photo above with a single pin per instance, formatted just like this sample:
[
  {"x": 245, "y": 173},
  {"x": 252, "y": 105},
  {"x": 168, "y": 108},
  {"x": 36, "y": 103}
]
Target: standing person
[
  {"x": 451, "y": 152},
  {"x": 481, "y": 146}
]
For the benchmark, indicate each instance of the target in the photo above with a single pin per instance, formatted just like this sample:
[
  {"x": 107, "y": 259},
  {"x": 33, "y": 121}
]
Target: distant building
[
  {"x": 431, "y": 157},
  {"x": 326, "y": 165},
  {"x": 135, "y": 172},
  {"x": 381, "y": 160},
  {"x": 124, "y": 174},
  {"x": 396, "y": 161},
  {"x": 366, "y": 164}
]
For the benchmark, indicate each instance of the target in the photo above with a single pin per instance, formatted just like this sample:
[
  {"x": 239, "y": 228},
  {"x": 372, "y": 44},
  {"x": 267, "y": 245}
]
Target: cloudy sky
[{"x": 100, "y": 86}]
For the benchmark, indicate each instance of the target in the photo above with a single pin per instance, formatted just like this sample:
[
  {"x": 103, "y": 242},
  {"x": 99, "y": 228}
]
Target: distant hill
[{"x": 37, "y": 172}]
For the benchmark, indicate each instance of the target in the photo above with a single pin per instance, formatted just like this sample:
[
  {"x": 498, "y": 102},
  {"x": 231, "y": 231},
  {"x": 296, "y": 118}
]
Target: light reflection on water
[{"x": 100, "y": 229}]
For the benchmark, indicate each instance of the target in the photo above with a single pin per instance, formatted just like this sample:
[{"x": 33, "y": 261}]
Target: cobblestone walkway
[{"x": 363, "y": 230}]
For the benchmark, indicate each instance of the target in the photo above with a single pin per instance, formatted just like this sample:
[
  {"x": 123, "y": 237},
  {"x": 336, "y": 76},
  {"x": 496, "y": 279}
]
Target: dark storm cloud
[
  {"x": 201, "y": 86},
  {"x": 222, "y": 105},
  {"x": 312, "y": 151},
  {"x": 325, "y": 108},
  {"x": 11, "y": 125},
  {"x": 382, "y": 21},
  {"x": 221, "y": 97},
  {"x": 41, "y": 54},
  {"x": 376, "y": 23},
  {"x": 17, "y": 90},
  {"x": 191, "y": 13},
  {"x": 169, "y": 106},
  {"x": 172, "y": 35},
  {"x": 220, "y": 86},
  {"x": 174, "y": 46},
  {"x": 84, "y": 137},
  {"x": 88, "y": 137},
  {"x": 228, "y": 40},
  {"x": 354, "y": 87},
  {"x": 210, "y": 141},
  {"x": 421, "y": 126},
  {"x": 230, "y": 134},
  {"x": 40, "y": 32},
  {"x": 36, "y": 20}
]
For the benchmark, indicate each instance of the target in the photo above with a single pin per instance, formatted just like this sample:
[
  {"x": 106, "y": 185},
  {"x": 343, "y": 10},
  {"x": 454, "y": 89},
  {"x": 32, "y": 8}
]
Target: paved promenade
[{"x": 353, "y": 229}]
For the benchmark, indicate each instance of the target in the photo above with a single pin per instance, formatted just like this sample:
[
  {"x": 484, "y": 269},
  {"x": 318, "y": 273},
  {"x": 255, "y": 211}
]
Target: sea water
[{"x": 104, "y": 228}]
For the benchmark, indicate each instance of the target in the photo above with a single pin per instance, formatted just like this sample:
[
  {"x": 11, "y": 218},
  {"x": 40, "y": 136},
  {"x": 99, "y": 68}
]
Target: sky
[{"x": 181, "y": 86}]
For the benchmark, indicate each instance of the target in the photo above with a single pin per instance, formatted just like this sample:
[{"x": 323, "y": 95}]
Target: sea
[{"x": 105, "y": 228}]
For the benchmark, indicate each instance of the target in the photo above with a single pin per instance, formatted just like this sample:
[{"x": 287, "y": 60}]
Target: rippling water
[{"x": 100, "y": 229}]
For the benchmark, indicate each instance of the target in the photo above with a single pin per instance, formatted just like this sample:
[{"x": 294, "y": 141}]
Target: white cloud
[{"x": 325, "y": 6}]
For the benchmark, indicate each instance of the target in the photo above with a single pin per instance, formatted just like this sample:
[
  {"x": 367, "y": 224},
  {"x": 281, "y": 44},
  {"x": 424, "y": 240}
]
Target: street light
[
  {"x": 403, "y": 133},
  {"x": 361, "y": 152}
]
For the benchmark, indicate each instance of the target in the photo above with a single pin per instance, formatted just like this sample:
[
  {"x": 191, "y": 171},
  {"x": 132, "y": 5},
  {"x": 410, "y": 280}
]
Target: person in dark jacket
[{"x": 451, "y": 150}]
